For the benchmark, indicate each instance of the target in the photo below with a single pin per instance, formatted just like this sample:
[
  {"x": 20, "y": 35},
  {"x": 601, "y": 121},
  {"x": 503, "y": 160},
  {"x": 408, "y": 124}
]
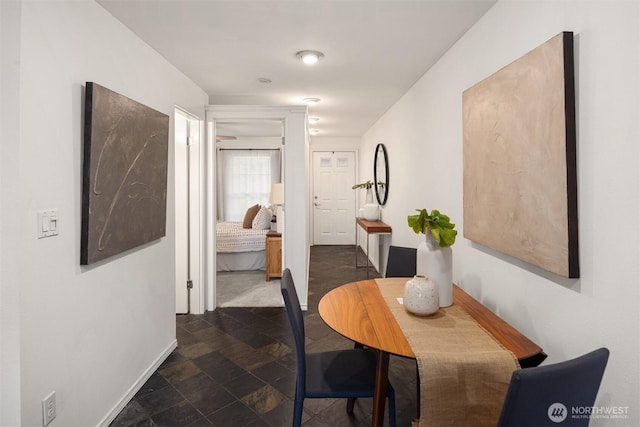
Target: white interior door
[
  {"x": 187, "y": 283},
  {"x": 333, "y": 199}
]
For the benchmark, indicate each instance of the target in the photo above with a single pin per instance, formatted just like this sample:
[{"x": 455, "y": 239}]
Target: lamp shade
[{"x": 276, "y": 198}]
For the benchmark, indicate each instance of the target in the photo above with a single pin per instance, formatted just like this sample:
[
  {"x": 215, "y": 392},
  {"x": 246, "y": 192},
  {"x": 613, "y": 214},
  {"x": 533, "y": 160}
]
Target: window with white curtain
[{"x": 244, "y": 179}]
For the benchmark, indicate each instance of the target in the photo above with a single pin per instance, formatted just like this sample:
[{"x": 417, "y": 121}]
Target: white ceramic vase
[
  {"x": 436, "y": 263},
  {"x": 421, "y": 296},
  {"x": 371, "y": 212}
]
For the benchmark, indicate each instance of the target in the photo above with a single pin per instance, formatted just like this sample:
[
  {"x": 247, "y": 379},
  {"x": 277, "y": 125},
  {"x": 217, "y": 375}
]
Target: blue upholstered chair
[
  {"x": 330, "y": 374},
  {"x": 401, "y": 262},
  {"x": 545, "y": 395}
]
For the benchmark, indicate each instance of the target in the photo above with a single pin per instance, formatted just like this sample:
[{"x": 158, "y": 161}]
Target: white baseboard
[{"x": 113, "y": 413}]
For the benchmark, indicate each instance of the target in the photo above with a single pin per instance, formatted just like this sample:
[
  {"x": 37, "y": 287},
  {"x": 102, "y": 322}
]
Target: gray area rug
[{"x": 247, "y": 289}]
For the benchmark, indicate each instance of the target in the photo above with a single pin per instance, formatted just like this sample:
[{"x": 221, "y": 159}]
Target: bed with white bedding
[{"x": 239, "y": 248}]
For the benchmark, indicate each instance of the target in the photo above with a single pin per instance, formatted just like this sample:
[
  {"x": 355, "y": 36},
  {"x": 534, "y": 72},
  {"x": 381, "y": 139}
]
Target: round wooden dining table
[{"x": 358, "y": 312}]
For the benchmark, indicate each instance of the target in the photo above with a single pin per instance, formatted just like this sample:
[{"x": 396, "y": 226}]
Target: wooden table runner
[{"x": 464, "y": 371}]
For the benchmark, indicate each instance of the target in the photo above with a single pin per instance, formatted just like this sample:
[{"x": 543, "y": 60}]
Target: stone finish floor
[{"x": 236, "y": 366}]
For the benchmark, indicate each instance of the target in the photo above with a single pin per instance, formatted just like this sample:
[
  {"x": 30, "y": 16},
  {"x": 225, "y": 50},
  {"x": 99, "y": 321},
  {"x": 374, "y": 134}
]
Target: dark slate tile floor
[{"x": 236, "y": 366}]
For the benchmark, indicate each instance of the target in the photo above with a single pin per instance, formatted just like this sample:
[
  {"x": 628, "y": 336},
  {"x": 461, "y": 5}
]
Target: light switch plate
[{"x": 48, "y": 223}]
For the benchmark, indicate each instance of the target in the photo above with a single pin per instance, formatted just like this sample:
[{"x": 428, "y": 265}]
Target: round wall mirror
[{"x": 381, "y": 174}]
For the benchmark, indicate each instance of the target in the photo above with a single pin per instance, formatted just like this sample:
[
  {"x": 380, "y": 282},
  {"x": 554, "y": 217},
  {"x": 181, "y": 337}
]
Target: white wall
[
  {"x": 297, "y": 206},
  {"x": 423, "y": 133},
  {"x": 322, "y": 143},
  {"x": 89, "y": 333},
  {"x": 9, "y": 215}
]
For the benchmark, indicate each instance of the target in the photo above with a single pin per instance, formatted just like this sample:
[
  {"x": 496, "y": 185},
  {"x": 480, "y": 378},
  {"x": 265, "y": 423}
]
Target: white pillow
[{"x": 262, "y": 220}]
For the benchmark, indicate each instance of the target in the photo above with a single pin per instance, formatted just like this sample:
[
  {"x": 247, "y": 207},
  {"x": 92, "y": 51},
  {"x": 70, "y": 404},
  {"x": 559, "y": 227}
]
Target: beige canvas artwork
[{"x": 520, "y": 185}]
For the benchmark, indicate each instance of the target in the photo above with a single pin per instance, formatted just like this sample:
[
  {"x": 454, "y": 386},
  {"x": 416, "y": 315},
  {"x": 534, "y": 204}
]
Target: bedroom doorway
[
  {"x": 249, "y": 159},
  {"x": 296, "y": 167}
]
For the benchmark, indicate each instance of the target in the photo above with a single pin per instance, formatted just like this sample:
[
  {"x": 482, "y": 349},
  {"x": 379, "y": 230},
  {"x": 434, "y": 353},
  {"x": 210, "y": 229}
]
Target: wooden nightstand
[{"x": 273, "y": 255}]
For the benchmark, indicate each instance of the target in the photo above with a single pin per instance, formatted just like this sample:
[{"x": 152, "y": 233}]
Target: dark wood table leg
[{"x": 380, "y": 391}]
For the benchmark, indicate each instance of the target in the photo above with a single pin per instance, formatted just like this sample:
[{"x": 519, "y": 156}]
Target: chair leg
[
  {"x": 297, "y": 413},
  {"x": 351, "y": 402},
  {"x": 418, "y": 391},
  {"x": 392, "y": 409}
]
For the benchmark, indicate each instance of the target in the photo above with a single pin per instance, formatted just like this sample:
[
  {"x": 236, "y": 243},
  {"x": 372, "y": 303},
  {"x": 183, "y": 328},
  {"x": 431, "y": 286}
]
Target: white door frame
[
  {"x": 295, "y": 178},
  {"x": 194, "y": 169}
]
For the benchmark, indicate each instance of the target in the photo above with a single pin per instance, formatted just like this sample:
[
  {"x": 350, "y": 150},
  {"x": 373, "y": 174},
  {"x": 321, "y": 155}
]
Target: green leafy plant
[
  {"x": 366, "y": 185},
  {"x": 440, "y": 225}
]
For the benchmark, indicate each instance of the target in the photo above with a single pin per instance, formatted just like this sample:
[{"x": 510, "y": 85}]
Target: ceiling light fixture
[
  {"x": 311, "y": 101},
  {"x": 310, "y": 57},
  {"x": 313, "y": 120},
  {"x": 314, "y": 131}
]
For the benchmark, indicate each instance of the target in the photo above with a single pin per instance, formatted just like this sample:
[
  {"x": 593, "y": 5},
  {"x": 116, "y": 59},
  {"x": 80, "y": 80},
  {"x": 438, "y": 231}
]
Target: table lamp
[{"x": 276, "y": 198}]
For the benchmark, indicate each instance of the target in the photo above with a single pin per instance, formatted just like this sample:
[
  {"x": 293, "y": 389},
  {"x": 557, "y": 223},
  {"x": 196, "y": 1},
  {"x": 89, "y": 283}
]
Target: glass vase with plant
[{"x": 366, "y": 185}]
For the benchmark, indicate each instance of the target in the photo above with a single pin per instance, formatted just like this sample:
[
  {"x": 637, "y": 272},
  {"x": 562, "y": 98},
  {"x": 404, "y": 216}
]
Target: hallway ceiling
[{"x": 374, "y": 50}]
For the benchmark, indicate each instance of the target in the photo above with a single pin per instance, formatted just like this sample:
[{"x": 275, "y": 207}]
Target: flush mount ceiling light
[
  {"x": 311, "y": 101},
  {"x": 314, "y": 131},
  {"x": 313, "y": 120},
  {"x": 310, "y": 57}
]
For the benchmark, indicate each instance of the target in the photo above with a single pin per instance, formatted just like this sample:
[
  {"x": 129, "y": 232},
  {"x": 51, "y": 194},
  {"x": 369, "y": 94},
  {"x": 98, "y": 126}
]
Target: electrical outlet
[{"x": 49, "y": 408}]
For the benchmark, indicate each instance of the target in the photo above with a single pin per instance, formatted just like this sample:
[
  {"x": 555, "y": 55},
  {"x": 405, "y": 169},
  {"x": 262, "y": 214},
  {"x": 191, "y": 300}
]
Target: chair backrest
[
  {"x": 294, "y": 313},
  {"x": 401, "y": 262},
  {"x": 548, "y": 395}
]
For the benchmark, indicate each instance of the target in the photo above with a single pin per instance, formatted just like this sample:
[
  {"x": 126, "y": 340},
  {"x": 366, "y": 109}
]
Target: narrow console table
[{"x": 370, "y": 227}]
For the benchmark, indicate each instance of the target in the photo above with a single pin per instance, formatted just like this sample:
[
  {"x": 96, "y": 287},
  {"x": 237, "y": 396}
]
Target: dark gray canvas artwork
[{"x": 124, "y": 188}]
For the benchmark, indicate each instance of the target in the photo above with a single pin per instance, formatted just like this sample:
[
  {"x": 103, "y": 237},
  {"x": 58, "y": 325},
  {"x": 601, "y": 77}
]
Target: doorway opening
[
  {"x": 248, "y": 162},
  {"x": 292, "y": 122}
]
